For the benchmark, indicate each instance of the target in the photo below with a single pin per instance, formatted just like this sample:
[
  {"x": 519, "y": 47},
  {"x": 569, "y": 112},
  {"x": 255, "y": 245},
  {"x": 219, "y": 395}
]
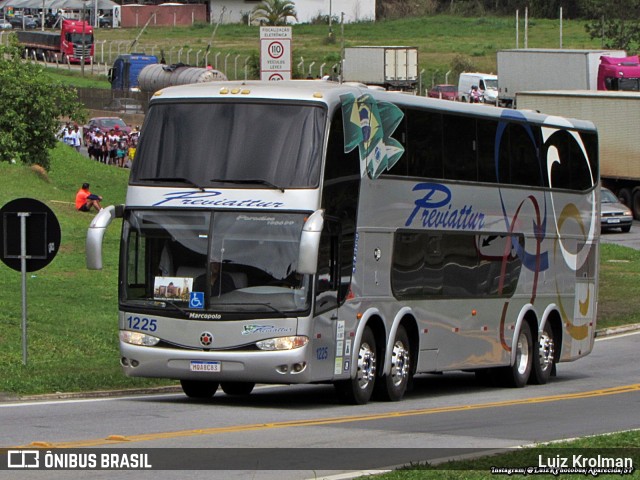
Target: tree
[
  {"x": 616, "y": 22},
  {"x": 274, "y": 12},
  {"x": 31, "y": 106}
]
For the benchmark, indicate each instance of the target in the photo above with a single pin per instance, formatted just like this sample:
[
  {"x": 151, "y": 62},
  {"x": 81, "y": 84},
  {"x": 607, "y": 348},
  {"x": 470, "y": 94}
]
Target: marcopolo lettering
[{"x": 436, "y": 210}]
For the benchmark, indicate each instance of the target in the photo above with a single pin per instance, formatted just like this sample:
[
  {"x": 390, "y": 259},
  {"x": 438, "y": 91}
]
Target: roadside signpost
[
  {"x": 29, "y": 238},
  {"x": 275, "y": 53}
]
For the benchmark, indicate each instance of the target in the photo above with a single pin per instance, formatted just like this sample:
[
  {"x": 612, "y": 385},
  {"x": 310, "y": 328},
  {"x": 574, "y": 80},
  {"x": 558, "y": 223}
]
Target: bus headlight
[
  {"x": 282, "y": 343},
  {"x": 137, "y": 338}
]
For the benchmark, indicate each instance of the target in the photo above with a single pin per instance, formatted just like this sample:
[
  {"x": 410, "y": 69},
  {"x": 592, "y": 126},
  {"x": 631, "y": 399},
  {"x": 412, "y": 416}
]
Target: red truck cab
[
  {"x": 619, "y": 73},
  {"x": 76, "y": 41}
]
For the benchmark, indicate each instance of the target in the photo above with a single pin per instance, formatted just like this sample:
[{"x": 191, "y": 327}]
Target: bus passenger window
[
  {"x": 460, "y": 161},
  {"x": 423, "y": 157},
  {"x": 526, "y": 168}
]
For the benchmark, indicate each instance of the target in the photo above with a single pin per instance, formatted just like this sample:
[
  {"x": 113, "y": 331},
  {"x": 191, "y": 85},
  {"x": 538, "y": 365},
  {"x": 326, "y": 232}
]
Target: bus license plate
[{"x": 197, "y": 366}]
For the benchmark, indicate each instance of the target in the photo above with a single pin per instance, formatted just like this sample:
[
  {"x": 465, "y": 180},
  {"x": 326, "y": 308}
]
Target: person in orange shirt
[{"x": 85, "y": 200}]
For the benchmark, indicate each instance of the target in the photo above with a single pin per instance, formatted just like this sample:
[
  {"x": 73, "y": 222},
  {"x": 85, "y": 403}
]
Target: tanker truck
[
  {"x": 71, "y": 44},
  {"x": 158, "y": 76}
]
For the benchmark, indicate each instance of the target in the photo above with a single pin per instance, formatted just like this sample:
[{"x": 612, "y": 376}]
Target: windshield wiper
[
  {"x": 180, "y": 309},
  {"x": 173, "y": 179},
  {"x": 158, "y": 303},
  {"x": 249, "y": 182},
  {"x": 278, "y": 311}
]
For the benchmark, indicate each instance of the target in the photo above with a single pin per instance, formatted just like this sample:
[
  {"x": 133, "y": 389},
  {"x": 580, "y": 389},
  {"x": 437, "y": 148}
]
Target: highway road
[
  {"x": 445, "y": 415},
  {"x": 630, "y": 239}
]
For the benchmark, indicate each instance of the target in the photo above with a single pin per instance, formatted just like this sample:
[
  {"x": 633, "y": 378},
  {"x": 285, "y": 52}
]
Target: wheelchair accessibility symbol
[{"x": 196, "y": 300}]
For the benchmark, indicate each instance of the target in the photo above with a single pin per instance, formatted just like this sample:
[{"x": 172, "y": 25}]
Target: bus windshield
[
  {"x": 221, "y": 144},
  {"x": 194, "y": 261}
]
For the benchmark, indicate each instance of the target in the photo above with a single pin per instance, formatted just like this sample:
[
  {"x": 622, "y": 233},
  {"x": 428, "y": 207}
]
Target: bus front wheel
[
  {"x": 198, "y": 388},
  {"x": 358, "y": 390},
  {"x": 392, "y": 387}
]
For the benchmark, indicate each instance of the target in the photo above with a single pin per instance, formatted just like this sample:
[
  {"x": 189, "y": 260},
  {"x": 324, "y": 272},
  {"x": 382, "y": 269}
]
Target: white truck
[
  {"x": 531, "y": 69},
  {"x": 385, "y": 66},
  {"x": 616, "y": 115}
]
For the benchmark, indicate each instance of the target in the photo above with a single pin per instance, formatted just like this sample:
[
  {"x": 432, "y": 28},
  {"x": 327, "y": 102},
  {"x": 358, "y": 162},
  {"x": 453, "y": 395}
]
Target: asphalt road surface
[{"x": 446, "y": 415}]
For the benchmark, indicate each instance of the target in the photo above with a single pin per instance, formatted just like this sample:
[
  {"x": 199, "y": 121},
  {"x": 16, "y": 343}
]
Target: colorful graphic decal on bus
[
  {"x": 539, "y": 261},
  {"x": 558, "y": 153},
  {"x": 368, "y": 125}
]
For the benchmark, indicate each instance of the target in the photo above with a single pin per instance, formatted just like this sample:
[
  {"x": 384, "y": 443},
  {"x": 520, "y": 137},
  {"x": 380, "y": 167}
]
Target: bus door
[{"x": 328, "y": 333}]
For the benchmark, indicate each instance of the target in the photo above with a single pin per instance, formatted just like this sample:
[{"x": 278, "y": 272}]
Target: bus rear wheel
[
  {"x": 237, "y": 388},
  {"x": 392, "y": 387},
  {"x": 518, "y": 374},
  {"x": 198, "y": 388},
  {"x": 358, "y": 390},
  {"x": 543, "y": 365}
]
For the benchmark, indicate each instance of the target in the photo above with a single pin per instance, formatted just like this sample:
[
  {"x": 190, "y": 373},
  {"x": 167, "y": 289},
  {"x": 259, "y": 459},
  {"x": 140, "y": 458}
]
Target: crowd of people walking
[{"x": 114, "y": 147}]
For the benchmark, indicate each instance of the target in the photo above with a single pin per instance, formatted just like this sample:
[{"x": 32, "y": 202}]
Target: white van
[{"x": 487, "y": 84}]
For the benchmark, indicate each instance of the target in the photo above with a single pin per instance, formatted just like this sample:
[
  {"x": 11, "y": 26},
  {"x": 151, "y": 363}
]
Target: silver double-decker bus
[{"x": 315, "y": 232}]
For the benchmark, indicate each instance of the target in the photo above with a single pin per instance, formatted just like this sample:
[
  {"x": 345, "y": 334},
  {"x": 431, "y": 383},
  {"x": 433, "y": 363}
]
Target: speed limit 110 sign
[{"x": 275, "y": 53}]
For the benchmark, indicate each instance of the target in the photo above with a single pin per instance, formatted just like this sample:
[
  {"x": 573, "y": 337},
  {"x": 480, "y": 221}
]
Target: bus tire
[
  {"x": 358, "y": 390},
  {"x": 198, "y": 388},
  {"x": 517, "y": 375},
  {"x": 392, "y": 387},
  {"x": 237, "y": 388},
  {"x": 543, "y": 363}
]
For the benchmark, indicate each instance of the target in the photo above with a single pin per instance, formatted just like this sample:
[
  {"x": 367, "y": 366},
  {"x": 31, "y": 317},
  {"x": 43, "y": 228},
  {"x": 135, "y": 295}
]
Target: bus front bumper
[{"x": 284, "y": 366}]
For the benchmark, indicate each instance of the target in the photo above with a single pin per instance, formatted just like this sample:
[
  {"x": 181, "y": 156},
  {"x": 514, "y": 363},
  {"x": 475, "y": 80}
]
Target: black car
[
  {"x": 20, "y": 22},
  {"x": 105, "y": 22}
]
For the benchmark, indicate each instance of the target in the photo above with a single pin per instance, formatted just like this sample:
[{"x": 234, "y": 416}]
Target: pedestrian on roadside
[{"x": 85, "y": 200}]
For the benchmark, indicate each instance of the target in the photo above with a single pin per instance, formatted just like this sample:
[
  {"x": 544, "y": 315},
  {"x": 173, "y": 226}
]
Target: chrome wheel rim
[
  {"x": 366, "y": 366},
  {"x": 399, "y": 363},
  {"x": 546, "y": 349},
  {"x": 522, "y": 354}
]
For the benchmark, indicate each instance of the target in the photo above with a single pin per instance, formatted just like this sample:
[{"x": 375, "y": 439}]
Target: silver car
[{"x": 614, "y": 214}]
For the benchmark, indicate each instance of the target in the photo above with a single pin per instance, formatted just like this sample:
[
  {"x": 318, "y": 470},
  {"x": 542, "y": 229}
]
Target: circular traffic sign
[
  {"x": 42, "y": 234},
  {"x": 275, "y": 49}
]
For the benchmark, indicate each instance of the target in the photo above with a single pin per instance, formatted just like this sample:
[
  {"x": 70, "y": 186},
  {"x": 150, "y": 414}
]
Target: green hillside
[
  {"x": 446, "y": 43},
  {"x": 72, "y": 312}
]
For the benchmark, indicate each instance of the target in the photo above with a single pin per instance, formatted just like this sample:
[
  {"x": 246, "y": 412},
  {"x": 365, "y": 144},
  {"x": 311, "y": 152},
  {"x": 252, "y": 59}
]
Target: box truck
[
  {"x": 616, "y": 116},
  {"x": 530, "y": 69},
  {"x": 384, "y": 66}
]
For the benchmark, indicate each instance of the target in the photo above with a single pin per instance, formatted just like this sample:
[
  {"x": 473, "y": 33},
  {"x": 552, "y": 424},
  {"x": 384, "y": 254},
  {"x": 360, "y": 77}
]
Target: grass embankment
[{"x": 72, "y": 312}]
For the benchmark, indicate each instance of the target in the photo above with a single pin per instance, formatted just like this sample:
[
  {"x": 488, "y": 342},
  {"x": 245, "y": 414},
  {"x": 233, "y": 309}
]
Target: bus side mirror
[
  {"x": 95, "y": 235},
  {"x": 310, "y": 243}
]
